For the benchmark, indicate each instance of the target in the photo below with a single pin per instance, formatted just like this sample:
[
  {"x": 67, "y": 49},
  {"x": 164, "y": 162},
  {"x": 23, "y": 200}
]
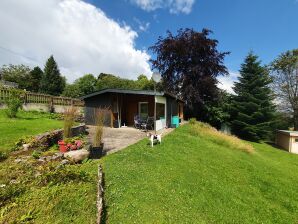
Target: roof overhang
[
  {"x": 288, "y": 133},
  {"x": 134, "y": 92}
]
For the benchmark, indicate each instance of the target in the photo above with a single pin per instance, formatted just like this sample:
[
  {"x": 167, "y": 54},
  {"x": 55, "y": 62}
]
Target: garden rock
[
  {"x": 26, "y": 147},
  {"x": 18, "y": 160},
  {"x": 64, "y": 162},
  {"x": 78, "y": 155}
]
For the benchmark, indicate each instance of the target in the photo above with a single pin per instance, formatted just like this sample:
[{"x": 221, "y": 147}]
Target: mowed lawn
[
  {"x": 192, "y": 179},
  {"x": 26, "y": 124}
]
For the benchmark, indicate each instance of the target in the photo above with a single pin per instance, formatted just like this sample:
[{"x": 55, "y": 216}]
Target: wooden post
[{"x": 112, "y": 119}]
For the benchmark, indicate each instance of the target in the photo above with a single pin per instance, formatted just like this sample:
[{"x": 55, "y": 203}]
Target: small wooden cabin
[
  {"x": 288, "y": 140},
  {"x": 125, "y": 104}
]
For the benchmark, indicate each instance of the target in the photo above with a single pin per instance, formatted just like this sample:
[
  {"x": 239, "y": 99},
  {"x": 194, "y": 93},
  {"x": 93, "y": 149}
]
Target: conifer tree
[
  {"x": 253, "y": 110},
  {"x": 52, "y": 82}
]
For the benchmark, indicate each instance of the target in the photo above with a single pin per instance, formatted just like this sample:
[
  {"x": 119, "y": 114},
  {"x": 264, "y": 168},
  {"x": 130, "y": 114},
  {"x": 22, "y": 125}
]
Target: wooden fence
[{"x": 30, "y": 97}]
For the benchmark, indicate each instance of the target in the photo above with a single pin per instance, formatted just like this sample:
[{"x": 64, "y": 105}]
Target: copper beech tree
[{"x": 190, "y": 63}]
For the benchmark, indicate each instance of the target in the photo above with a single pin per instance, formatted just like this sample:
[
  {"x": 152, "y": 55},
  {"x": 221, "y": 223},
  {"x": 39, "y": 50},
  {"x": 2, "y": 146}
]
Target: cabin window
[
  {"x": 296, "y": 140},
  {"x": 143, "y": 110},
  {"x": 160, "y": 111}
]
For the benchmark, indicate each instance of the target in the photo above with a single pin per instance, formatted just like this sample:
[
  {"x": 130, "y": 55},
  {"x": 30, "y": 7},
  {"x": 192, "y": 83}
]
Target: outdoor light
[{"x": 156, "y": 77}]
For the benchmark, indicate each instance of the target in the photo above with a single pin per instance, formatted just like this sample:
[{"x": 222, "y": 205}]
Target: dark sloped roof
[{"x": 127, "y": 91}]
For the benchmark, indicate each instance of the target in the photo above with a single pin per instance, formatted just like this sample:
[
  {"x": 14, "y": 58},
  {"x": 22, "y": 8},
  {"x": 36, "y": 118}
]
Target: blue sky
[
  {"x": 113, "y": 36},
  {"x": 268, "y": 27}
]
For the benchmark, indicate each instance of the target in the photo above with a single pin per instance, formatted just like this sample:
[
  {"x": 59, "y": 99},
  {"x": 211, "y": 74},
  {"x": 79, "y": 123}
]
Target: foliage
[
  {"x": 192, "y": 179},
  {"x": 62, "y": 176},
  {"x": 44, "y": 193},
  {"x": 99, "y": 122},
  {"x": 19, "y": 74},
  {"x": 36, "y": 154},
  {"x": 52, "y": 82},
  {"x": 36, "y": 76},
  {"x": 190, "y": 64},
  {"x": 112, "y": 81},
  {"x": 253, "y": 110},
  {"x": 218, "y": 113},
  {"x": 284, "y": 71},
  {"x": 69, "y": 120},
  {"x": 14, "y": 102},
  {"x": 74, "y": 143},
  {"x": 10, "y": 192},
  {"x": 82, "y": 86},
  {"x": 206, "y": 131}
]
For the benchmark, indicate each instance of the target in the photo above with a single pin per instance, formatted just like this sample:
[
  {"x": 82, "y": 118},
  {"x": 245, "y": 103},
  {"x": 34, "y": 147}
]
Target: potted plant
[{"x": 97, "y": 145}]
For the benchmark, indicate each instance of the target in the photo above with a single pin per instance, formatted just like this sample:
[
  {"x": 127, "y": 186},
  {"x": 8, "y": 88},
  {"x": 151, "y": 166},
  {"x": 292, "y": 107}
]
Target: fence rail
[{"x": 30, "y": 97}]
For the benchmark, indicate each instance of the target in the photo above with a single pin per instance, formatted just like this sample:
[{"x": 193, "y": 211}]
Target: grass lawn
[
  {"x": 191, "y": 178},
  {"x": 27, "y": 124}
]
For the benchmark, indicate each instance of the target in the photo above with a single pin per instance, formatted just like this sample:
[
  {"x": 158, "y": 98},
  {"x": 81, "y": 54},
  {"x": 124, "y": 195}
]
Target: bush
[
  {"x": 13, "y": 103},
  {"x": 206, "y": 131}
]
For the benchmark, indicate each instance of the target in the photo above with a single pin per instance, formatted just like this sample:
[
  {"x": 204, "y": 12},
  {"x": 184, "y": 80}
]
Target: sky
[{"x": 113, "y": 36}]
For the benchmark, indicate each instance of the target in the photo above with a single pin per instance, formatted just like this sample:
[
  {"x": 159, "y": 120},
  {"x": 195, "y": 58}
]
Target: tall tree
[
  {"x": 52, "y": 82},
  {"x": 35, "y": 78},
  {"x": 285, "y": 75},
  {"x": 253, "y": 110},
  {"x": 190, "y": 64},
  {"x": 82, "y": 86}
]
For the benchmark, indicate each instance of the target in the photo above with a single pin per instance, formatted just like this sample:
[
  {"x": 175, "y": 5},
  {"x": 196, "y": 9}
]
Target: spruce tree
[
  {"x": 52, "y": 82},
  {"x": 253, "y": 110}
]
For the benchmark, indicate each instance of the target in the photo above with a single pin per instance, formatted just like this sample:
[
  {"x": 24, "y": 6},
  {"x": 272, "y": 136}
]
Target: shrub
[
  {"x": 14, "y": 103},
  {"x": 69, "y": 120},
  {"x": 206, "y": 131}
]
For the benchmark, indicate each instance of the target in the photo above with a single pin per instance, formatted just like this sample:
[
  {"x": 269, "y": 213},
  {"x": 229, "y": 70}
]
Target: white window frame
[{"x": 140, "y": 108}]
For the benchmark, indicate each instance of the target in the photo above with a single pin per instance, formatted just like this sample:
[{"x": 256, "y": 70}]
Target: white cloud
[
  {"x": 142, "y": 26},
  {"x": 79, "y": 35},
  {"x": 227, "y": 82},
  {"x": 174, "y": 6}
]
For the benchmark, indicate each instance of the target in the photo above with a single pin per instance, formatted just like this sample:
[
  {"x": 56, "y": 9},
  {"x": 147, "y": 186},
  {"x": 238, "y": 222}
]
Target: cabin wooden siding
[{"x": 92, "y": 103}]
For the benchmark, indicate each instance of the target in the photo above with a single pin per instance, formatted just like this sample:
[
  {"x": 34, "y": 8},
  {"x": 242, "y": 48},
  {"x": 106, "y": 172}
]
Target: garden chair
[
  {"x": 137, "y": 121},
  {"x": 148, "y": 125}
]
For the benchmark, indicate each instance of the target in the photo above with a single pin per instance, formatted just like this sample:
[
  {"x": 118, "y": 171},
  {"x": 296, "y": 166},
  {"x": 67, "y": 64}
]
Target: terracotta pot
[{"x": 62, "y": 146}]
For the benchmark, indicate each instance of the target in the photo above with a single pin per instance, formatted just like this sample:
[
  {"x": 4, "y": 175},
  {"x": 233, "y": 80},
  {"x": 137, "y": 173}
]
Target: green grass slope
[
  {"x": 26, "y": 124},
  {"x": 194, "y": 178}
]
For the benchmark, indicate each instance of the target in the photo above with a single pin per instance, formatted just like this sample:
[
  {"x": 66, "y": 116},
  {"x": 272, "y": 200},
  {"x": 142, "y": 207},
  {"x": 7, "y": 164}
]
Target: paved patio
[{"x": 116, "y": 139}]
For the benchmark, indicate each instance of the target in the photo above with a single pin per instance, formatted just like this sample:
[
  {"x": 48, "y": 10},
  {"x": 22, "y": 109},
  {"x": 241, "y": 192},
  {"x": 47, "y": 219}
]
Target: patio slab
[{"x": 116, "y": 139}]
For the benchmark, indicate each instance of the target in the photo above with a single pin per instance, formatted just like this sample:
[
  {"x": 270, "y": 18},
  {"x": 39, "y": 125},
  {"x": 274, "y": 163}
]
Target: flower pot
[
  {"x": 96, "y": 152},
  {"x": 62, "y": 146}
]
